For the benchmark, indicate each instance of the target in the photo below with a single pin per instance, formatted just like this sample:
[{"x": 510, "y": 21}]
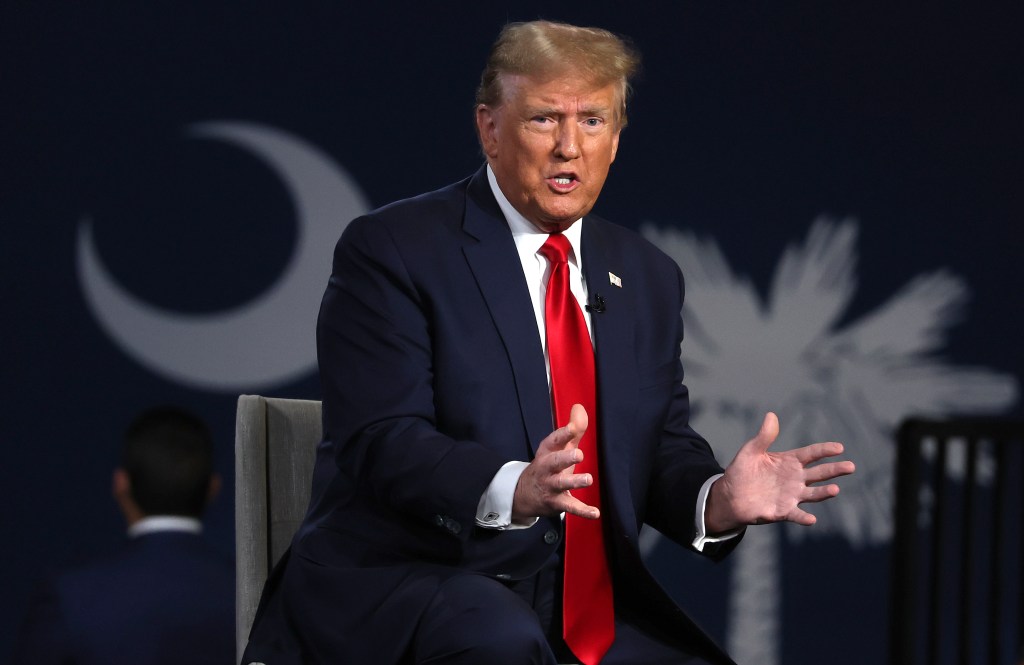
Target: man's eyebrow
[
  {"x": 599, "y": 110},
  {"x": 595, "y": 110}
]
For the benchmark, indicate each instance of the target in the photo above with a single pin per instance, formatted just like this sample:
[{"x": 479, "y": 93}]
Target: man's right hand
[{"x": 544, "y": 487}]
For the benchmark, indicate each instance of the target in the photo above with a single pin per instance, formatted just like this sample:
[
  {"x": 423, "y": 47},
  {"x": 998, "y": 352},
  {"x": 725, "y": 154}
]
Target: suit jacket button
[
  {"x": 439, "y": 520},
  {"x": 503, "y": 576},
  {"x": 453, "y": 526},
  {"x": 551, "y": 537}
]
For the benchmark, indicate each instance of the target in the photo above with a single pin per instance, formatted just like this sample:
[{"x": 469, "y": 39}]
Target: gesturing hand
[
  {"x": 760, "y": 487},
  {"x": 544, "y": 486}
]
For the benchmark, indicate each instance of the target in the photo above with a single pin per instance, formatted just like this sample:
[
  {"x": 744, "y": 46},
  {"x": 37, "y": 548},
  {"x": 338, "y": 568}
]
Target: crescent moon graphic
[{"x": 268, "y": 340}]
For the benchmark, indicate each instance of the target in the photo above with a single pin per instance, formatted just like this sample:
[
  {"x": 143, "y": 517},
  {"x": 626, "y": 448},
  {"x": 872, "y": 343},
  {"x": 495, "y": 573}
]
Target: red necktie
[{"x": 588, "y": 617}]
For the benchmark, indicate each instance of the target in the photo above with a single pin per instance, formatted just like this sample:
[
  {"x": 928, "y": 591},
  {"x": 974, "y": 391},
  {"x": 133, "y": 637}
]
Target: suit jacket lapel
[
  {"x": 495, "y": 265},
  {"x": 614, "y": 342}
]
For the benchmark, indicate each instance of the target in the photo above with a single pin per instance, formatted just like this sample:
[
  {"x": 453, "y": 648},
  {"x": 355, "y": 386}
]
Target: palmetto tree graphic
[{"x": 853, "y": 384}]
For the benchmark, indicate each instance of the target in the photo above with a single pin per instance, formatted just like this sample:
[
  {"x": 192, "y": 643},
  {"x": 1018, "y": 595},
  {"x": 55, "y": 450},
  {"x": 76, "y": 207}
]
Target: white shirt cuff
[
  {"x": 698, "y": 520},
  {"x": 495, "y": 508}
]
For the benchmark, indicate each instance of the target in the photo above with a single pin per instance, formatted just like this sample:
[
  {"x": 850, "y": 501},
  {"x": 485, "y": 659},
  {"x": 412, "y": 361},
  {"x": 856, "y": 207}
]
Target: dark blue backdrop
[{"x": 749, "y": 121}]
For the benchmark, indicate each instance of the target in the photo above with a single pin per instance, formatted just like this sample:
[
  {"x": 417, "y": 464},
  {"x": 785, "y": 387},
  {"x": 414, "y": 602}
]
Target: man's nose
[{"x": 568, "y": 145}]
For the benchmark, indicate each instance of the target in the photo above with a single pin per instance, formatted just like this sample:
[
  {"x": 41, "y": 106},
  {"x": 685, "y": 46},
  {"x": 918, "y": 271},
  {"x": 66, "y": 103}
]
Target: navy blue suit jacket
[
  {"x": 166, "y": 597},
  {"x": 433, "y": 377}
]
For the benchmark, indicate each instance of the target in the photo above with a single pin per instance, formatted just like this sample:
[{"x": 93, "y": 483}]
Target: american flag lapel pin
[{"x": 614, "y": 280}]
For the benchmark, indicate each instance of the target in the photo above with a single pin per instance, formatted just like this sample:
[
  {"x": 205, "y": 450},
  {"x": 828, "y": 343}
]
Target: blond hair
[{"x": 542, "y": 48}]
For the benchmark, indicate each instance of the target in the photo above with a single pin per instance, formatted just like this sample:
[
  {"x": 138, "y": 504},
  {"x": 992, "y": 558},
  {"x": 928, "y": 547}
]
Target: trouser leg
[{"x": 474, "y": 619}]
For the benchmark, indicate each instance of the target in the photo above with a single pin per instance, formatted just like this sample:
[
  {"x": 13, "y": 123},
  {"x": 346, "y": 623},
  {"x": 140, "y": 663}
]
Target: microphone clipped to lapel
[{"x": 597, "y": 305}]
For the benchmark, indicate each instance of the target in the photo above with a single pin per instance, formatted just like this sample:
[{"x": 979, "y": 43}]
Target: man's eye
[{"x": 592, "y": 122}]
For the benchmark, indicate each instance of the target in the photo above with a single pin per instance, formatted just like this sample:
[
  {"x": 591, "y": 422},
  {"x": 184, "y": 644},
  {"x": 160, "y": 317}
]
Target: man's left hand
[{"x": 761, "y": 487}]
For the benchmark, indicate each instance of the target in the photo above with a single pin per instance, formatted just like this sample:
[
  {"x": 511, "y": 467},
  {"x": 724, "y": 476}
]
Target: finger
[
  {"x": 566, "y": 436},
  {"x": 560, "y": 439},
  {"x": 579, "y": 480},
  {"x": 557, "y": 462},
  {"x": 578, "y": 420},
  {"x": 571, "y": 481},
  {"x": 817, "y": 451},
  {"x": 573, "y": 506},
  {"x": 819, "y": 493},
  {"x": 801, "y": 517},
  {"x": 766, "y": 436},
  {"x": 822, "y": 472}
]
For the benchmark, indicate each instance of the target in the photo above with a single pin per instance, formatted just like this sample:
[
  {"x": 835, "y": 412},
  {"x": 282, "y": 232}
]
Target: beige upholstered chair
[{"x": 275, "y": 447}]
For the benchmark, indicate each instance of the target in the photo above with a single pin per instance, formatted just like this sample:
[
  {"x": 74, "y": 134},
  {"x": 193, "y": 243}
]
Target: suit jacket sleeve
[
  {"x": 683, "y": 460},
  {"x": 376, "y": 366}
]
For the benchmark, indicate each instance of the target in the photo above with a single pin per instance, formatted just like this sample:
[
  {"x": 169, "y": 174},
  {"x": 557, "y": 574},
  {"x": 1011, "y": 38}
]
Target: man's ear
[
  {"x": 120, "y": 485},
  {"x": 121, "y": 488},
  {"x": 214, "y": 489},
  {"x": 487, "y": 129}
]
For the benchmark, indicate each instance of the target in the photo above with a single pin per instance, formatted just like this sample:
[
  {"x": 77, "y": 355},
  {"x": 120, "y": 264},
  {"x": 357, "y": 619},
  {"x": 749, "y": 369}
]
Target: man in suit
[
  {"x": 166, "y": 596},
  {"x": 449, "y": 523}
]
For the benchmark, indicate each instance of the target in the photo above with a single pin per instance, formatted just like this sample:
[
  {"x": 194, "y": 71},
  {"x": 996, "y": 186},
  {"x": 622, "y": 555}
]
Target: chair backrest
[
  {"x": 958, "y": 555},
  {"x": 275, "y": 447}
]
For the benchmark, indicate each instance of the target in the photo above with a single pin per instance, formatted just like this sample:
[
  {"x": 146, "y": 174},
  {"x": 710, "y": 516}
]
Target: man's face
[{"x": 550, "y": 144}]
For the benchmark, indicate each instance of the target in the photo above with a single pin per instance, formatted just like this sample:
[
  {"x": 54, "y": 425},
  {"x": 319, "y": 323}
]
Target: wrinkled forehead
[{"x": 566, "y": 80}]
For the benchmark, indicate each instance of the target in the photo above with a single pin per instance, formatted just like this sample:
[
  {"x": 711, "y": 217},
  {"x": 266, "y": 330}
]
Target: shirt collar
[
  {"x": 526, "y": 235},
  {"x": 156, "y": 523}
]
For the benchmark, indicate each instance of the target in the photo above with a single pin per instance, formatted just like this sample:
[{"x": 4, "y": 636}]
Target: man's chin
[
  {"x": 555, "y": 225},
  {"x": 559, "y": 219}
]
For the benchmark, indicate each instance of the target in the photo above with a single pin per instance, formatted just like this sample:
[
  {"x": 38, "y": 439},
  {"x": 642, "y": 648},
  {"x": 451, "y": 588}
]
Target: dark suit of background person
[
  {"x": 166, "y": 596},
  {"x": 433, "y": 376}
]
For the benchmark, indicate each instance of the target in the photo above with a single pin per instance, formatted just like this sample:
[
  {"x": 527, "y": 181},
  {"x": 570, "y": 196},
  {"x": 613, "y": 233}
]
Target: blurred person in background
[{"x": 166, "y": 596}]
